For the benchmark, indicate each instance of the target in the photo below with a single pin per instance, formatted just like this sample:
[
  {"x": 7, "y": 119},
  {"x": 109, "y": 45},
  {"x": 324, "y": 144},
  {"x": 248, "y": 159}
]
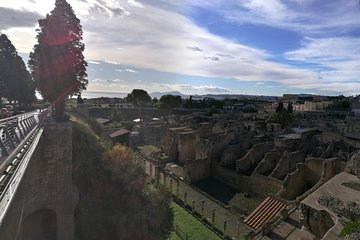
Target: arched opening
[{"x": 40, "y": 225}]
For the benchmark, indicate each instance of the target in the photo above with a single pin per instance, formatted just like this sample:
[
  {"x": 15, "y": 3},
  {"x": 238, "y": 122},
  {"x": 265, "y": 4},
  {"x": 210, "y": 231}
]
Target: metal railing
[
  {"x": 14, "y": 173},
  {"x": 19, "y": 136},
  {"x": 14, "y": 130}
]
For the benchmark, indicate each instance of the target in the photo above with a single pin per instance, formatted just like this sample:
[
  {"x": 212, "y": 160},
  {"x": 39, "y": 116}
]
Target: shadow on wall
[{"x": 40, "y": 225}]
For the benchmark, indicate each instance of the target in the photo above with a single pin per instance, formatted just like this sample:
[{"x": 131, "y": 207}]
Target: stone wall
[
  {"x": 319, "y": 222},
  {"x": 196, "y": 170},
  {"x": 232, "y": 153},
  {"x": 126, "y": 113},
  {"x": 287, "y": 163},
  {"x": 294, "y": 184},
  {"x": 131, "y": 113},
  {"x": 256, "y": 183},
  {"x": 253, "y": 157},
  {"x": 314, "y": 169},
  {"x": 153, "y": 134},
  {"x": 220, "y": 143},
  {"x": 270, "y": 160},
  {"x": 46, "y": 186},
  {"x": 186, "y": 146},
  {"x": 83, "y": 110},
  {"x": 354, "y": 164}
]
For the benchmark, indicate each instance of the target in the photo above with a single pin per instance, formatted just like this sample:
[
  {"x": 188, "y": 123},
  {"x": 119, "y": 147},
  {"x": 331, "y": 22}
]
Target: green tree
[
  {"x": 283, "y": 117},
  {"x": 169, "y": 102},
  {"x": 15, "y": 81},
  {"x": 290, "y": 108},
  {"x": 139, "y": 97},
  {"x": 155, "y": 100},
  {"x": 57, "y": 62},
  {"x": 212, "y": 111},
  {"x": 280, "y": 107},
  {"x": 79, "y": 99}
]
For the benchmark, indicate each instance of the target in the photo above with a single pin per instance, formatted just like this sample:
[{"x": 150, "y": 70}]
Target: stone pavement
[{"x": 290, "y": 229}]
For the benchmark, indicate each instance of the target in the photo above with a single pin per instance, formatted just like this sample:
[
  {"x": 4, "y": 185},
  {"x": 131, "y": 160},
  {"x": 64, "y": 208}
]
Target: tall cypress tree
[
  {"x": 57, "y": 62},
  {"x": 15, "y": 81}
]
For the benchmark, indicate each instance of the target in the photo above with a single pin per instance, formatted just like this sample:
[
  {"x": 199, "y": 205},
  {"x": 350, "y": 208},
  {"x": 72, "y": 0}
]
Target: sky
[{"x": 257, "y": 47}]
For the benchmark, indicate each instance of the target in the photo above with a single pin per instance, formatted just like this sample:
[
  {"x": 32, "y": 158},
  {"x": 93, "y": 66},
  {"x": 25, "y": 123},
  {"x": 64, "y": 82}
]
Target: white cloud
[
  {"x": 93, "y": 62},
  {"x": 168, "y": 46},
  {"x": 337, "y": 59},
  {"x": 146, "y": 36},
  {"x": 135, "y": 3},
  {"x": 130, "y": 70},
  {"x": 315, "y": 17},
  {"x": 189, "y": 89}
]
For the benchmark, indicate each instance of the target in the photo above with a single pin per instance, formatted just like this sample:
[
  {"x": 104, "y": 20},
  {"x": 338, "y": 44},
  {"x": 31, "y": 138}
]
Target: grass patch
[
  {"x": 189, "y": 225},
  {"x": 350, "y": 227}
]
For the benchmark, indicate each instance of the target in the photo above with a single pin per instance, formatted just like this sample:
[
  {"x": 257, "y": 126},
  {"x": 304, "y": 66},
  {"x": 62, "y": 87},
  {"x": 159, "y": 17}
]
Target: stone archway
[{"x": 40, "y": 225}]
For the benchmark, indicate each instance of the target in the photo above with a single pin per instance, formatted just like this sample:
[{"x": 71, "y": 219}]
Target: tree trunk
[{"x": 59, "y": 110}]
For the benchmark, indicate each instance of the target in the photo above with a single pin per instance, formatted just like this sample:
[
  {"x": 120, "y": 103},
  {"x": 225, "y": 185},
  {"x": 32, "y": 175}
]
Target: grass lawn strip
[{"x": 189, "y": 225}]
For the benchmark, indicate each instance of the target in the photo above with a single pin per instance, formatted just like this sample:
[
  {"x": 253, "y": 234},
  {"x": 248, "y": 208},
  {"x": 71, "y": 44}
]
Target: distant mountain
[
  {"x": 215, "y": 96},
  {"x": 159, "y": 94}
]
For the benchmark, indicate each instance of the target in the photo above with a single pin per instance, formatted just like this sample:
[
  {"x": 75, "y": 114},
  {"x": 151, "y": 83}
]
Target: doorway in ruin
[{"x": 40, "y": 225}]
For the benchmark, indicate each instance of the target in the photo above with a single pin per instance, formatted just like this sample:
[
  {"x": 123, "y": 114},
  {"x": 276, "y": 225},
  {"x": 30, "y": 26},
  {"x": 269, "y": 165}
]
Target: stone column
[
  {"x": 202, "y": 208},
  {"x": 213, "y": 217},
  {"x": 225, "y": 226}
]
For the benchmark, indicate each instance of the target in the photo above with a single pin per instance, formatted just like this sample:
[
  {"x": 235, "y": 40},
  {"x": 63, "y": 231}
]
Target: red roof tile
[{"x": 264, "y": 212}]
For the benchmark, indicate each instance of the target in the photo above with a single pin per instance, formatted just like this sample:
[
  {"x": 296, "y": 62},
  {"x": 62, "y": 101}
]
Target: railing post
[
  {"x": 23, "y": 126},
  {"x": 4, "y": 152},
  {"x": 20, "y": 131},
  {"x": 17, "y": 138},
  {"x": 8, "y": 136}
]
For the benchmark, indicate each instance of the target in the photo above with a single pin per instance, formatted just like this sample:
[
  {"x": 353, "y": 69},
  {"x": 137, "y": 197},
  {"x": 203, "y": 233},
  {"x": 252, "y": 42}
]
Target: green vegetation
[
  {"x": 16, "y": 83},
  {"x": 57, "y": 62},
  {"x": 138, "y": 97},
  {"x": 341, "y": 105},
  {"x": 190, "y": 226},
  {"x": 169, "y": 102},
  {"x": 115, "y": 202},
  {"x": 282, "y": 116},
  {"x": 212, "y": 111},
  {"x": 350, "y": 227},
  {"x": 204, "y": 103},
  {"x": 114, "y": 125}
]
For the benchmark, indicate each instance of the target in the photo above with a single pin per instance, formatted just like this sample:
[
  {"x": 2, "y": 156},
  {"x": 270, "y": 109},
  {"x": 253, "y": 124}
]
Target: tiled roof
[
  {"x": 119, "y": 133},
  {"x": 264, "y": 212}
]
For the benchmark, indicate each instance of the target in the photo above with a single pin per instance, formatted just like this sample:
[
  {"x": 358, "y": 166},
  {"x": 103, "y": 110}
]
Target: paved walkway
[{"x": 290, "y": 229}]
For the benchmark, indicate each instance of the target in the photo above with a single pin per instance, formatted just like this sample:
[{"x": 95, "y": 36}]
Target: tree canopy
[
  {"x": 280, "y": 107},
  {"x": 138, "y": 97},
  {"x": 57, "y": 63},
  {"x": 169, "y": 101},
  {"x": 15, "y": 81},
  {"x": 283, "y": 117}
]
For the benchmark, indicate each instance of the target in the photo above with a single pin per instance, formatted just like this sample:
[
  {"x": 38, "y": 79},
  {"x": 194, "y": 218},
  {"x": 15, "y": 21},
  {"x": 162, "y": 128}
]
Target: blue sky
[{"x": 261, "y": 47}]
